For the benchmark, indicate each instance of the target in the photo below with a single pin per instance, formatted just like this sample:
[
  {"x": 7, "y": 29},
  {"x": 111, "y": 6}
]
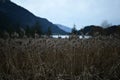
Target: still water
[{"x": 67, "y": 36}]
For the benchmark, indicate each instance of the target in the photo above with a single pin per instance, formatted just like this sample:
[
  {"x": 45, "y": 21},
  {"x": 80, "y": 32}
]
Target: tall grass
[{"x": 60, "y": 59}]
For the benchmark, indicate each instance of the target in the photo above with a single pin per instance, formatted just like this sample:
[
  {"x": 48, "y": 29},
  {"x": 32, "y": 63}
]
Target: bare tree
[{"x": 105, "y": 24}]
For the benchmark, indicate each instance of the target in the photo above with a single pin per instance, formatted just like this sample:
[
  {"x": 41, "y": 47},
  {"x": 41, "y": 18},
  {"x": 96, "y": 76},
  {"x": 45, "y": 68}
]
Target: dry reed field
[{"x": 60, "y": 59}]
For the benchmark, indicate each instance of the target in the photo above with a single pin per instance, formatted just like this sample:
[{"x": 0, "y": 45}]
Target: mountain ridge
[
  {"x": 17, "y": 15},
  {"x": 65, "y": 28}
]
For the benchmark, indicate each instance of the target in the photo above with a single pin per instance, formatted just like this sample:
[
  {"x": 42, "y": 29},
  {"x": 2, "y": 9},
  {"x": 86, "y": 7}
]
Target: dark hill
[
  {"x": 92, "y": 30},
  {"x": 12, "y": 15}
]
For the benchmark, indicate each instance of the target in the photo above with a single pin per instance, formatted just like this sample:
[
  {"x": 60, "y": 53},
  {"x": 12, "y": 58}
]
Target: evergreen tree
[
  {"x": 28, "y": 31},
  {"x": 21, "y": 32},
  {"x": 49, "y": 32},
  {"x": 74, "y": 30},
  {"x": 37, "y": 29}
]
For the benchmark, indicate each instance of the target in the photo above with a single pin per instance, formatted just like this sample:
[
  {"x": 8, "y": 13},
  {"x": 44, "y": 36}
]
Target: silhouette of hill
[
  {"x": 65, "y": 28},
  {"x": 13, "y": 15},
  {"x": 93, "y": 30}
]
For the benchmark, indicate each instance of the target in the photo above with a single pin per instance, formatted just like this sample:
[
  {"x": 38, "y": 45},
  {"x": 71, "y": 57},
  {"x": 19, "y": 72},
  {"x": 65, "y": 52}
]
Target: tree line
[
  {"x": 24, "y": 32},
  {"x": 35, "y": 31},
  {"x": 93, "y": 30}
]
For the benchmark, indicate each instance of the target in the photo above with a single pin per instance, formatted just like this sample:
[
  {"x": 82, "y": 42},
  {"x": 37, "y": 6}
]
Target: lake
[{"x": 67, "y": 36}]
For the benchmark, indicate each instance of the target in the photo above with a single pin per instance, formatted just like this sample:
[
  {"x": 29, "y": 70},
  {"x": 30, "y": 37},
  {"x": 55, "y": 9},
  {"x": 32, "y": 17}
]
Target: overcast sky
[{"x": 79, "y": 12}]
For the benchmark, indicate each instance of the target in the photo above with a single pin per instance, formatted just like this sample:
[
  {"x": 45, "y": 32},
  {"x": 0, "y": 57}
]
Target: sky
[{"x": 78, "y": 12}]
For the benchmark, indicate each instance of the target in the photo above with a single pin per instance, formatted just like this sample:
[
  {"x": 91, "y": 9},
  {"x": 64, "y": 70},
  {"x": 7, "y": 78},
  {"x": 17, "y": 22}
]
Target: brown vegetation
[{"x": 60, "y": 59}]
